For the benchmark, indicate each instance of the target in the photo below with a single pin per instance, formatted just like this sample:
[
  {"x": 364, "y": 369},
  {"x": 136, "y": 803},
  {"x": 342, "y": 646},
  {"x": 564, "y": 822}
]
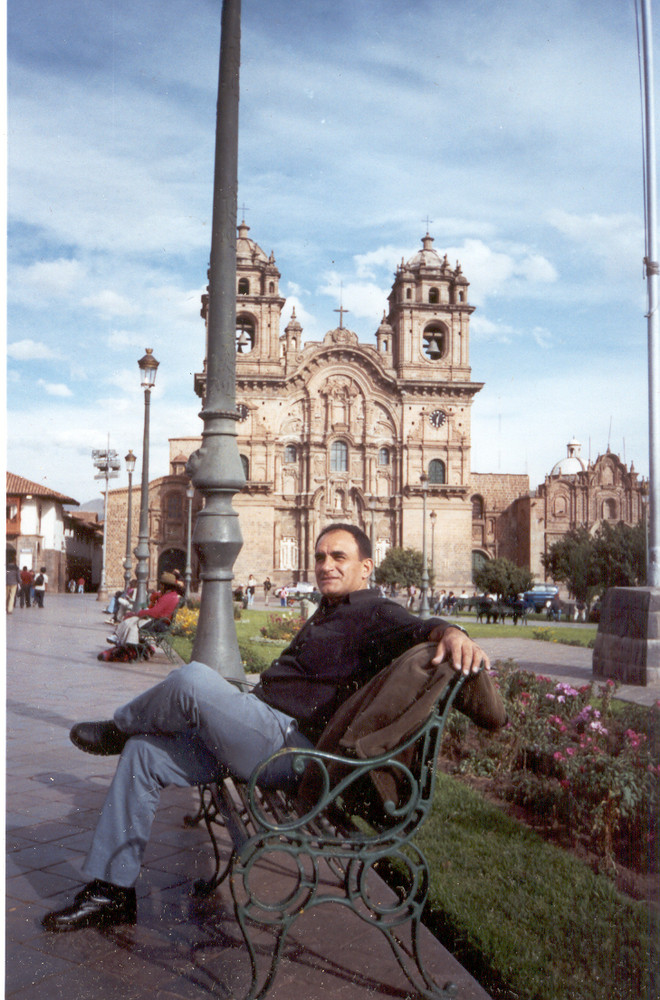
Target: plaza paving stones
[{"x": 181, "y": 948}]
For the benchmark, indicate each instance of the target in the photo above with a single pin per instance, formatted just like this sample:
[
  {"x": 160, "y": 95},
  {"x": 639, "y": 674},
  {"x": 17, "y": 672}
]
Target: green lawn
[{"x": 529, "y": 920}]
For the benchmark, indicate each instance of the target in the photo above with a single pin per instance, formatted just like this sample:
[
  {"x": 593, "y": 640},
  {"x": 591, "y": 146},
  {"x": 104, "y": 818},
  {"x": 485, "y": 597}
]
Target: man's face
[{"x": 339, "y": 567}]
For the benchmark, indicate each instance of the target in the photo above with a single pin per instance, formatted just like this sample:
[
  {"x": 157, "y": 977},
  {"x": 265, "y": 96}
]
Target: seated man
[{"x": 181, "y": 730}]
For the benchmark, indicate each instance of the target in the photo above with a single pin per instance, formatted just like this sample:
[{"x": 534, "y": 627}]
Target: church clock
[{"x": 437, "y": 418}]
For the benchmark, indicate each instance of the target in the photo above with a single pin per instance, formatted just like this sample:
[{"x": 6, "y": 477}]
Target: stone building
[{"x": 342, "y": 430}]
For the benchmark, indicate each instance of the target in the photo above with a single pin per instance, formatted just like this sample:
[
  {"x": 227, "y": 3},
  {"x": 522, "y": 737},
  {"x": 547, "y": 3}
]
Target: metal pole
[
  {"x": 103, "y": 590},
  {"x": 188, "y": 573},
  {"x": 424, "y": 601},
  {"x": 652, "y": 273},
  {"x": 372, "y": 508},
  {"x": 142, "y": 548},
  {"x": 129, "y": 528},
  {"x": 216, "y": 469}
]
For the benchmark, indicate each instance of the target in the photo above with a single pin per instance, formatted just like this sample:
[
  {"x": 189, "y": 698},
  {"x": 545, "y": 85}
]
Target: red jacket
[{"x": 164, "y": 607}]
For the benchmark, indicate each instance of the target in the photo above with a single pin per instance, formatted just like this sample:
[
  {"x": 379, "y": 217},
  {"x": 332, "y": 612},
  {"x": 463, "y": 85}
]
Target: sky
[{"x": 512, "y": 126}]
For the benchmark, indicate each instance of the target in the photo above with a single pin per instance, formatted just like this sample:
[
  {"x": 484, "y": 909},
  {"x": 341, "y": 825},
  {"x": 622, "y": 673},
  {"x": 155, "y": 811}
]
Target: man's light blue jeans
[{"x": 182, "y": 730}]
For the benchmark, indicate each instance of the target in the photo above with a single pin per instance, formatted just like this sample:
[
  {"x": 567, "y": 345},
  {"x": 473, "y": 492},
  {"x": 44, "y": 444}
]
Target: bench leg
[
  {"x": 406, "y": 909},
  {"x": 209, "y": 813}
]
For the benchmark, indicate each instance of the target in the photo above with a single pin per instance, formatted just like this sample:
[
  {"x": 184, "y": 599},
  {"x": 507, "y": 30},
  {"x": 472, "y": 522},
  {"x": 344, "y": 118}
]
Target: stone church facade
[{"x": 374, "y": 434}]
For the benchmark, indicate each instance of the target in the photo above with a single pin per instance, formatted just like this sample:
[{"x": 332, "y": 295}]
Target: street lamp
[
  {"x": 424, "y": 603},
  {"x": 107, "y": 463},
  {"x": 148, "y": 367},
  {"x": 130, "y": 460},
  {"x": 433, "y": 515},
  {"x": 190, "y": 493},
  {"x": 372, "y": 508}
]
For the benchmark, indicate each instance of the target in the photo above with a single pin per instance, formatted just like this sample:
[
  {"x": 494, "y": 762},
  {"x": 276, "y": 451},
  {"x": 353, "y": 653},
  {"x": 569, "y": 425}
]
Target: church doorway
[{"x": 171, "y": 559}]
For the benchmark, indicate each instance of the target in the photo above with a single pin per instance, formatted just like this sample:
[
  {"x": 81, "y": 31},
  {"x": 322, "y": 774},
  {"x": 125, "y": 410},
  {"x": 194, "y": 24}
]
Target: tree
[
  {"x": 402, "y": 567},
  {"x": 570, "y": 560},
  {"x": 503, "y": 577},
  {"x": 614, "y": 556}
]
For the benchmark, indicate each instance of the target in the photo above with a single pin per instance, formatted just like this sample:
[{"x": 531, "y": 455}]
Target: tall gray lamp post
[
  {"x": 130, "y": 460},
  {"x": 216, "y": 469},
  {"x": 148, "y": 367},
  {"x": 433, "y": 516},
  {"x": 372, "y": 509},
  {"x": 190, "y": 493},
  {"x": 424, "y": 602}
]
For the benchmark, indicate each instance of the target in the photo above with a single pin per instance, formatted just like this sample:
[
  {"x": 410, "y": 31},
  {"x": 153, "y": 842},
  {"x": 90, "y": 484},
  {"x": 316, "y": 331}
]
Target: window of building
[
  {"x": 339, "y": 457},
  {"x": 408, "y": 293},
  {"x": 383, "y": 456},
  {"x": 288, "y": 553},
  {"x": 244, "y": 334},
  {"x": 609, "y": 510},
  {"x": 245, "y": 462},
  {"x": 271, "y": 287},
  {"x": 477, "y": 508},
  {"x": 243, "y": 286},
  {"x": 437, "y": 471},
  {"x": 434, "y": 295},
  {"x": 290, "y": 454},
  {"x": 435, "y": 341},
  {"x": 174, "y": 506}
]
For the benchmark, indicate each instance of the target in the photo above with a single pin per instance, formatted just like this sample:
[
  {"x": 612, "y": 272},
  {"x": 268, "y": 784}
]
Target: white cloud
[
  {"x": 55, "y": 388},
  {"x": 45, "y": 280},
  {"x": 109, "y": 303},
  {"x": 617, "y": 239},
  {"x": 29, "y": 350}
]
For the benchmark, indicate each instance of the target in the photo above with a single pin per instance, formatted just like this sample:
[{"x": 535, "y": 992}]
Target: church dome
[
  {"x": 572, "y": 464},
  {"x": 426, "y": 257},
  {"x": 247, "y": 249}
]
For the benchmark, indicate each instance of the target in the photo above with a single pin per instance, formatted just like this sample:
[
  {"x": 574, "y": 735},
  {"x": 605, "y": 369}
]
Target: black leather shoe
[
  {"x": 99, "y": 904},
  {"x": 100, "y": 738}
]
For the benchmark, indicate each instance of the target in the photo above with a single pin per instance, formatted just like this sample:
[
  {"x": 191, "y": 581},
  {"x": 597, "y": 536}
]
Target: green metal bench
[{"x": 329, "y": 846}]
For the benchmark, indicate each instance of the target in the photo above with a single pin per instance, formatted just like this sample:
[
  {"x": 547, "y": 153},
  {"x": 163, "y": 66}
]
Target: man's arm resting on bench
[{"x": 455, "y": 645}]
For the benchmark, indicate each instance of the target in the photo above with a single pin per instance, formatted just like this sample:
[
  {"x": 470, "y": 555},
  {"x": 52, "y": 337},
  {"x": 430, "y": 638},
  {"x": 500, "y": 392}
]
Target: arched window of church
[
  {"x": 560, "y": 507},
  {"x": 436, "y": 471},
  {"x": 290, "y": 454},
  {"x": 461, "y": 296},
  {"x": 408, "y": 293},
  {"x": 435, "y": 341},
  {"x": 243, "y": 286},
  {"x": 245, "y": 462},
  {"x": 384, "y": 456},
  {"x": 173, "y": 506},
  {"x": 477, "y": 508},
  {"x": 271, "y": 287},
  {"x": 434, "y": 295},
  {"x": 244, "y": 334},
  {"x": 609, "y": 510},
  {"x": 339, "y": 457}
]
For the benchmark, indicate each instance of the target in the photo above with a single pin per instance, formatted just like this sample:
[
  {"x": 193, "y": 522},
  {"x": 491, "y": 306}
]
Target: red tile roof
[{"x": 19, "y": 487}]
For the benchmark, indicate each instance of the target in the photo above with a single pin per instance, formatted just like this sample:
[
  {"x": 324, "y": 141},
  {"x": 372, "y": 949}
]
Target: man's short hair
[{"x": 362, "y": 539}]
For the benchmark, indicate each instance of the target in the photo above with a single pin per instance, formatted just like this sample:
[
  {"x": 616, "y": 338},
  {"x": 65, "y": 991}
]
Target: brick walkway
[{"x": 180, "y": 947}]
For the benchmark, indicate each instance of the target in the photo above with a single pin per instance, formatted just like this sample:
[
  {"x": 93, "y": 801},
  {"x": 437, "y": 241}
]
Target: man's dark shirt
[{"x": 339, "y": 649}]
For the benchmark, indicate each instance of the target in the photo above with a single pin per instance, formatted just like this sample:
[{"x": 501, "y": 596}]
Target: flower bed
[
  {"x": 282, "y": 627},
  {"x": 580, "y": 761}
]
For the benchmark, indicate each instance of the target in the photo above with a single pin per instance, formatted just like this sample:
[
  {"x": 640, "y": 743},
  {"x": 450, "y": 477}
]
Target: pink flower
[
  {"x": 565, "y": 783},
  {"x": 570, "y": 751},
  {"x": 557, "y": 755}
]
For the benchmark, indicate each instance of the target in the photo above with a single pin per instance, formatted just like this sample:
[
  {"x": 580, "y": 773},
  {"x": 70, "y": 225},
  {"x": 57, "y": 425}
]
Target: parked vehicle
[{"x": 539, "y": 595}]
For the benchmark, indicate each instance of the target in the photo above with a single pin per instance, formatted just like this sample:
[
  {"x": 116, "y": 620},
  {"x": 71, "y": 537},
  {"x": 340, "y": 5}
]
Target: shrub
[
  {"x": 580, "y": 762},
  {"x": 282, "y": 627},
  {"x": 185, "y": 622}
]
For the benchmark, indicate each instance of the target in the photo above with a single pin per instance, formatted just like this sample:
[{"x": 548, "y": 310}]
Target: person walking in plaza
[
  {"x": 267, "y": 589},
  {"x": 284, "y": 596},
  {"x": 250, "y": 588},
  {"x": 40, "y": 585},
  {"x": 13, "y": 583},
  {"x": 181, "y": 730},
  {"x": 27, "y": 576}
]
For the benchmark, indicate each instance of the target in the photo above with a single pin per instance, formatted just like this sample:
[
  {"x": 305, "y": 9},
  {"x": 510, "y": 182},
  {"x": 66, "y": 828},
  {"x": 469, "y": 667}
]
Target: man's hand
[{"x": 465, "y": 656}]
